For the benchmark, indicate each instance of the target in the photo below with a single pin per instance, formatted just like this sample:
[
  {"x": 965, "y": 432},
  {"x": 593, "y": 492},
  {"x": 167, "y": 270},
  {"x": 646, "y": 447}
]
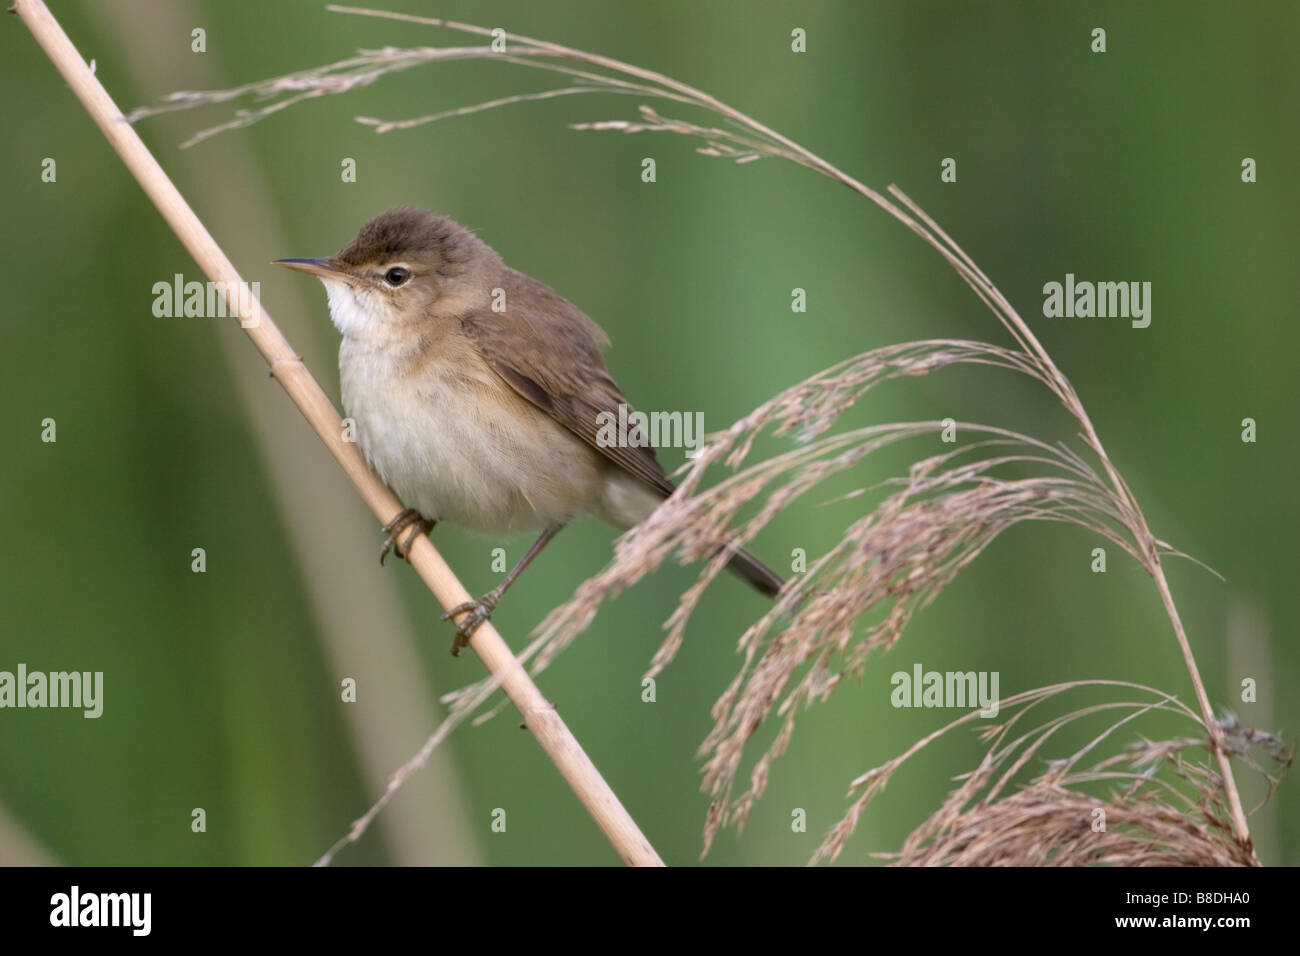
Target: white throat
[{"x": 354, "y": 311}]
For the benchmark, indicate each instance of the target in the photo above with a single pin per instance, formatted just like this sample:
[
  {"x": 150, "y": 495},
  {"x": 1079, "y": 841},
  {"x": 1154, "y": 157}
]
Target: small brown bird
[{"x": 476, "y": 392}]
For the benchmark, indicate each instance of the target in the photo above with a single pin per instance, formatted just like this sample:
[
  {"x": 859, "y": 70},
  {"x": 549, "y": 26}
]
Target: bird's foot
[
  {"x": 476, "y": 612},
  {"x": 406, "y": 519}
]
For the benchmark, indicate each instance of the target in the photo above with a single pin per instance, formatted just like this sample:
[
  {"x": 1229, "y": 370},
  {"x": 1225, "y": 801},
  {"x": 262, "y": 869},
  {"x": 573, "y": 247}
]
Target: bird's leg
[
  {"x": 407, "y": 518},
  {"x": 476, "y": 612}
]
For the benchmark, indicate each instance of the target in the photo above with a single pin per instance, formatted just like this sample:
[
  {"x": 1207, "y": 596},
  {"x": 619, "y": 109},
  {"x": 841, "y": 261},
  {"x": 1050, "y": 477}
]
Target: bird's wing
[{"x": 568, "y": 381}]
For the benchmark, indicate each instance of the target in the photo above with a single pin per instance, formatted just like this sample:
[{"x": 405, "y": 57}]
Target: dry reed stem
[{"x": 539, "y": 715}]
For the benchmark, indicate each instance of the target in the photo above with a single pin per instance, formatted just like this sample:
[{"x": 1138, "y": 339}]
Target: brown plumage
[{"x": 478, "y": 392}]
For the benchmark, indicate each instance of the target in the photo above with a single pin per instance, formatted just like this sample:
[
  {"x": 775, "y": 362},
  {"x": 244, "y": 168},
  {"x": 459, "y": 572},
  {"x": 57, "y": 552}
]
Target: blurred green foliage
[{"x": 1120, "y": 166}]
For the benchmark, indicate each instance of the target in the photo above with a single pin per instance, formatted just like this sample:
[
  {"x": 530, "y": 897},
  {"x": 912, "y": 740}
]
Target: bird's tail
[
  {"x": 754, "y": 572},
  {"x": 629, "y": 501}
]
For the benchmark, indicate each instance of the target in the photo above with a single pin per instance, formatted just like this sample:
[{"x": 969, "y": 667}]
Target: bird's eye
[{"x": 397, "y": 275}]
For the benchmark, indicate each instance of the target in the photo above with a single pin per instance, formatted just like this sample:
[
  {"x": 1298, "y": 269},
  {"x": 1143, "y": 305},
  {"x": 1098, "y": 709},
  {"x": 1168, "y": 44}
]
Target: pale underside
[{"x": 458, "y": 445}]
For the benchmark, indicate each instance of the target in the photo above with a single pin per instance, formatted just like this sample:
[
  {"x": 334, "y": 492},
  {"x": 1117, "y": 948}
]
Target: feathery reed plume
[
  {"x": 1179, "y": 819},
  {"x": 891, "y": 562}
]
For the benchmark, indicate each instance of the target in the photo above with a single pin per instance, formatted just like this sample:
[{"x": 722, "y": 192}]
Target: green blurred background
[{"x": 222, "y": 688}]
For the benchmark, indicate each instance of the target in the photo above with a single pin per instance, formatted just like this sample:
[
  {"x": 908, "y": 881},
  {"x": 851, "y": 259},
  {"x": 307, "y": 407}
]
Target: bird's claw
[
  {"x": 476, "y": 612},
  {"x": 407, "y": 518}
]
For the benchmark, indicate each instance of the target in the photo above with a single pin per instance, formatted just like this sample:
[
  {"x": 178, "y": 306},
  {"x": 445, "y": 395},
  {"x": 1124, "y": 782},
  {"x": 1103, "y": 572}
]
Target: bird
[{"x": 477, "y": 394}]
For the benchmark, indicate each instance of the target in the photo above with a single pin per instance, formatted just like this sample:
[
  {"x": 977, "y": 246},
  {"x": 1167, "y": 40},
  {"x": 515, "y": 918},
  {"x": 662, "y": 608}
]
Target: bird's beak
[{"x": 322, "y": 268}]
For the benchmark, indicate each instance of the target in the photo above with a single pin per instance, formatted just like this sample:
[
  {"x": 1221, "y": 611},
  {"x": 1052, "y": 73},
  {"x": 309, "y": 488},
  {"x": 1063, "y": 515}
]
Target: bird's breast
[{"x": 457, "y": 444}]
